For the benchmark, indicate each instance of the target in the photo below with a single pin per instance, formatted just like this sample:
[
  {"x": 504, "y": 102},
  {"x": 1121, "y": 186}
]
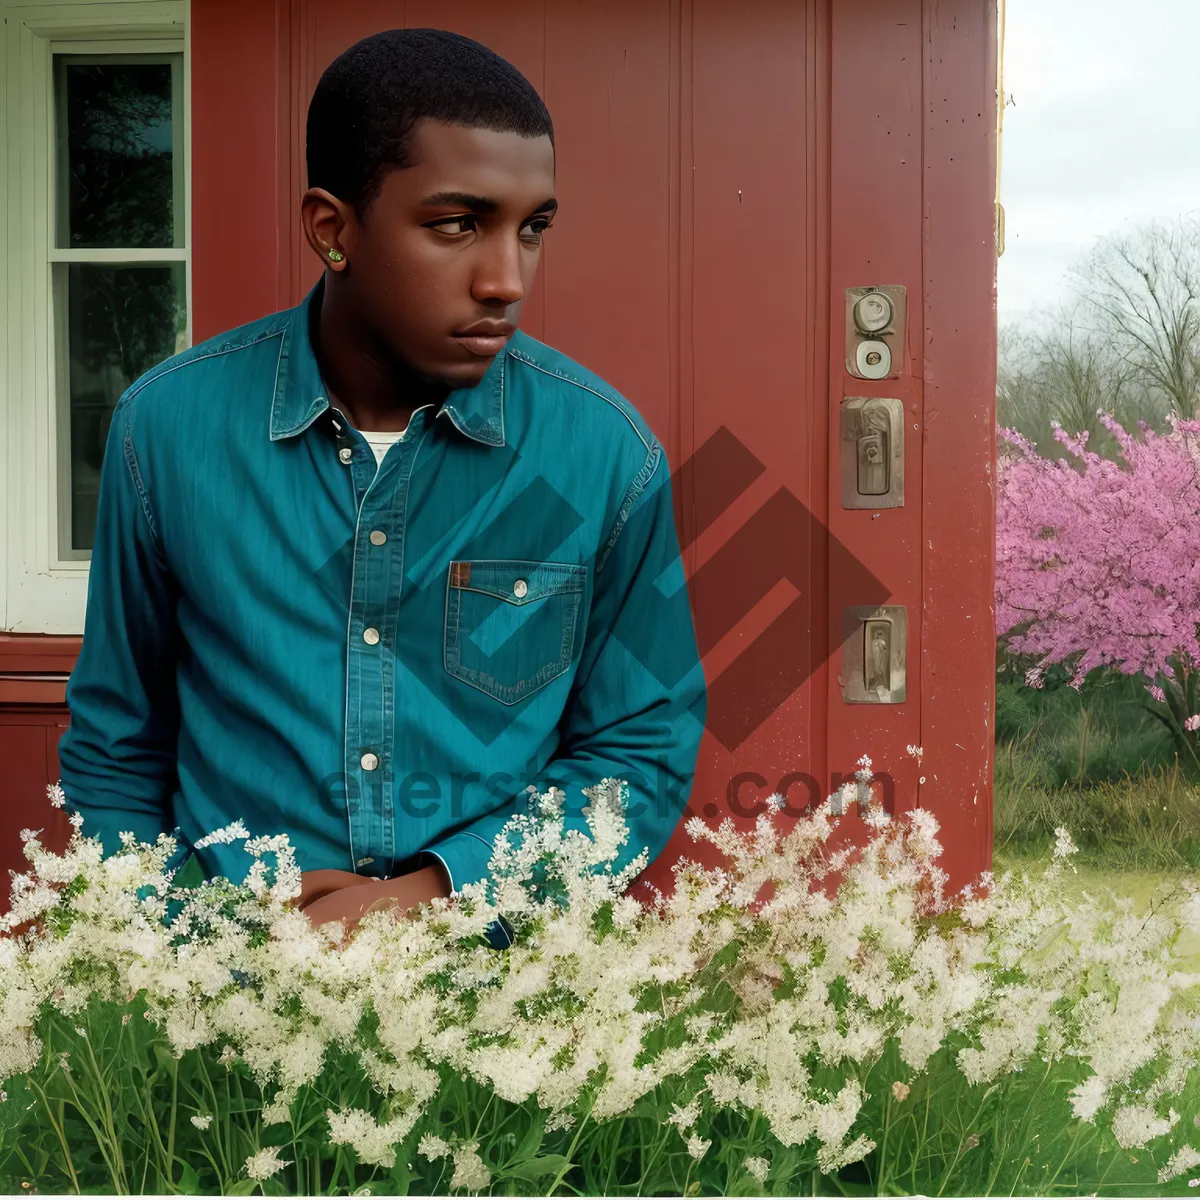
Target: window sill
[
  {"x": 37, "y": 655},
  {"x": 33, "y": 689}
]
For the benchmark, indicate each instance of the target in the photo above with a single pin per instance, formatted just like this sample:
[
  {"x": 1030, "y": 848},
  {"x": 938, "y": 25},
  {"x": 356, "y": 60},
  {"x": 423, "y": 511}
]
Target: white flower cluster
[
  {"x": 470, "y": 1171},
  {"x": 854, "y": 949},
  {"x": 265, "y": 1163}
]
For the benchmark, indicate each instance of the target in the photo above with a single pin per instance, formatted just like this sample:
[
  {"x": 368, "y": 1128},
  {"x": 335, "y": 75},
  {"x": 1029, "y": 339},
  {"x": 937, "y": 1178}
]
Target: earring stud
[{"x": 336, "y": 256}]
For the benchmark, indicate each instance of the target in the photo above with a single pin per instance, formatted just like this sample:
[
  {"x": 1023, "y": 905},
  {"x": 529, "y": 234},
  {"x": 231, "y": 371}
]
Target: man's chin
[{"x": 460, "y": 375}]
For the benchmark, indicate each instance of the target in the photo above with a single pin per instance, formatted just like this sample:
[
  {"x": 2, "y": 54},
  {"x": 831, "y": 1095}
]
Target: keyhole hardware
[
  {"x": 872, "y": 452},
  {"x": 875, "y": 325},
  {"x": 873, "y": 463}
]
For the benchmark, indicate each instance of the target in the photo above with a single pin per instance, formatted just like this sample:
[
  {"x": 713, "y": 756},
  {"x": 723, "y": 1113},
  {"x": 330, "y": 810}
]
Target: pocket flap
[{"x": 515, "y": 580}]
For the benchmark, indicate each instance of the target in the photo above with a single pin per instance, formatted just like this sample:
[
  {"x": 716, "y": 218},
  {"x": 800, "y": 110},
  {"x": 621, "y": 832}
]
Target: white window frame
[{"x": 39, "y": 591}]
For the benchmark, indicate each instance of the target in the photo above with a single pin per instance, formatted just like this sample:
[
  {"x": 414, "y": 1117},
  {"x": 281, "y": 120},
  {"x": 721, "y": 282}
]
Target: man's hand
[
  {"x": 349, "y": 904},
  {"x": 315, "y": 884}
]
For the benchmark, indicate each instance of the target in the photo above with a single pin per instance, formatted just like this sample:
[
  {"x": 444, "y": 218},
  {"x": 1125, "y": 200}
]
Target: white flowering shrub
[{"x": 808, "y": 1011}]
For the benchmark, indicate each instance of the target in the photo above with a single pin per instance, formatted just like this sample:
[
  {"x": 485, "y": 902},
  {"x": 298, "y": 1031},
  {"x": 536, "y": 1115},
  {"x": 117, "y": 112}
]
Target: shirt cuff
[
  {"x": 465, "y": 856},
  {"x": 423, "y": 861}
]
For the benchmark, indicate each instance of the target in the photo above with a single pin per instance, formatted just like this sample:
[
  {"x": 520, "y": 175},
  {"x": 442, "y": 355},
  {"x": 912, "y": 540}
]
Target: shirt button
[
  {"x": 345, "y": 454},
  {"x": 369, "y": 761},
  {"x": 378, "y": 537},
  {"x": 520, "y": 587},
  {"x": 371, "y": 636}
]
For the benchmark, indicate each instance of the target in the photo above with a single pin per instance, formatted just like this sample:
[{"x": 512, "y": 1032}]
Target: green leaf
[
  {"x": 531, "y": 1143},
  {"x": 190, "y": 875},
  {"x": 539, "y": 1168},
  {"x": 189, "y": 1181},
  {"x": 652, "y": 1105},
  {"x": 784, "y": 1164},
  {"x": 243, "y": 1187},
  {"x": 745, "y": 1185},
  {"x": 848, "y": 1187},
  {"x": 20, "y": 1096},
  {"x": 399, "y": 1178},
  {"x": 164, "y": 1058}
]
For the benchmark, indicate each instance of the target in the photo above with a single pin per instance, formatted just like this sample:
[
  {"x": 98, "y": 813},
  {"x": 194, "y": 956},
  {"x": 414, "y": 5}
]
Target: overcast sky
[{"x": 1100, "y": 132}]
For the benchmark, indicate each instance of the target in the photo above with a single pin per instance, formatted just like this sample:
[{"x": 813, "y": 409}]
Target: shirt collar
[{"x": 477, "y": 412}]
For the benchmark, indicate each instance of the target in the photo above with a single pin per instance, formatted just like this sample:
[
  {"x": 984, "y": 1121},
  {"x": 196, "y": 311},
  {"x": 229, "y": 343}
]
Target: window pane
[
  {"x": 116, "y": 153},
  {"x": 119, "y": 322}
]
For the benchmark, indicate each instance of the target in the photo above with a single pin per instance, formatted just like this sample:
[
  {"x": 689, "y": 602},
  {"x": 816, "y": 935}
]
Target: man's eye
[
  {"x": 448, "y": 226},
  {"x": 456, "y": 226}
]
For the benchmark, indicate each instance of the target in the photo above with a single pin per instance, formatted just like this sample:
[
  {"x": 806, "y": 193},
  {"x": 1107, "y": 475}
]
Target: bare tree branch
[{"x": 1141, "y": 294}]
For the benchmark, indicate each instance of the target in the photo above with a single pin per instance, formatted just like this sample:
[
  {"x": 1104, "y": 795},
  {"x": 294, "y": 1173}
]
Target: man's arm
[
  {"x": 349, "y": 903},
  {"x": 117, "y": 758},
  {"x": 637, "y": 707}
]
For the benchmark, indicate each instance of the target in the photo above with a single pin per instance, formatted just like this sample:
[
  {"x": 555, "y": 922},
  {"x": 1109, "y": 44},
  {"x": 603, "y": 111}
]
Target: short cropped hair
[{"x": 362, "y": 113}]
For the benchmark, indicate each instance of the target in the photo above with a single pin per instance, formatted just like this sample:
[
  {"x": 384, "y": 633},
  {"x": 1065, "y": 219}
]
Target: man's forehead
[{"x": 435, "y": 141}]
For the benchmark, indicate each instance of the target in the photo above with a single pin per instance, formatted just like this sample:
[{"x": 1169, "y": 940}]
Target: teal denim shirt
[{"x": 377, "y": 662}]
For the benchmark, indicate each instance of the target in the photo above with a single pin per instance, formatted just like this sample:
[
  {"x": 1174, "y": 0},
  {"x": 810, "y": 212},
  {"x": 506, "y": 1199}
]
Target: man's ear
[{"x": 328, "y": 226}]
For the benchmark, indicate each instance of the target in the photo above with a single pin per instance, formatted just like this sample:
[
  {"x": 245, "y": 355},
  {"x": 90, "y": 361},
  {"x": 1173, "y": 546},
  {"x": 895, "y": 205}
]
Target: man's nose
[{"x": 498, "y": 278}]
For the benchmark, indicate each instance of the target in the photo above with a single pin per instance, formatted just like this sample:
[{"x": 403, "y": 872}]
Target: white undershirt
[{"x": 381, "y": 443}]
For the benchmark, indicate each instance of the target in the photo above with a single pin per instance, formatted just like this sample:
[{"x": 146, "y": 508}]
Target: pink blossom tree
[{"x": 1098, "y": 561}]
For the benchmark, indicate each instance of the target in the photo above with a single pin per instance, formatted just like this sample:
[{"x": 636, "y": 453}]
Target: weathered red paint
[
  {"x": 725, "y": 173},
  {"x": 958, "y": 667},
  {"x": 876, "y": 182},
  {"x": 236, "y": 244},
  {"x": 29, "y": 736}
]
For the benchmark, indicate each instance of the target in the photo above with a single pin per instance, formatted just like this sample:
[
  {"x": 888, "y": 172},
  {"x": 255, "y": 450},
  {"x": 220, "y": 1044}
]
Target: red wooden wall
[
  {"x": 33, "y": 674},
  {"x": 725, "y": 172}
]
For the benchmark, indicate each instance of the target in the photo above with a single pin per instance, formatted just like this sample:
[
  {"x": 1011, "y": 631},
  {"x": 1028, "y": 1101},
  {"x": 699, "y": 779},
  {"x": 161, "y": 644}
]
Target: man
[{"x": 367, "y": 570}]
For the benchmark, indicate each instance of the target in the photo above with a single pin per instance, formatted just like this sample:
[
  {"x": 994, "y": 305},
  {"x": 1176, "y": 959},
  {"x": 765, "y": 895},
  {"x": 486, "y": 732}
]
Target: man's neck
[{"x": 373, "y": 390}]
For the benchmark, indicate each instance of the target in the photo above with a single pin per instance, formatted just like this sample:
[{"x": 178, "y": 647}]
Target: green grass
[
  {"x": 122, "y": 1113},
  {"x": 1100, "y": 882},
  {"x": 1097, "y": 762},
  {"x": 1145, "y": 823},
  {"x": 1058, "y": 737}
]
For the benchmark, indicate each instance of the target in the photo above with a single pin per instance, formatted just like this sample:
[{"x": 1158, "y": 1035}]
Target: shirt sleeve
[
  {"x": 118, "y": 755},
  {"x": 636, "y": 710}
]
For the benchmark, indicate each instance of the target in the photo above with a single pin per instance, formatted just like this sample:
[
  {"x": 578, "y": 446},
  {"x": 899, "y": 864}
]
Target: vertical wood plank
[
  {"x": 875, "y": 213},
  {"x": 748, "y": 326},
  {"x": 23, "y": 753},
  {"x": 958, "y": 668},
  {"x": 608, "y": 260},
  {"x": 235, "y": 163}
]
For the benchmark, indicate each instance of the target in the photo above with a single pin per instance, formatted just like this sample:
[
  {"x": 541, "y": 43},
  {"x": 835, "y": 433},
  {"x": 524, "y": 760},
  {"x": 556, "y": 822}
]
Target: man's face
[{"x": 449, "y": 243}]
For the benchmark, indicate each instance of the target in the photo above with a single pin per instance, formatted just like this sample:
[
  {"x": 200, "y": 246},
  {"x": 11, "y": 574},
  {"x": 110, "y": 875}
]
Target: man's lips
[{"x": 485, "y": 345}]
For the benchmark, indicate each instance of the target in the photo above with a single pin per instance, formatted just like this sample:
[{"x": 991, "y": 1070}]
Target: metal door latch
[
  {"x": 875, "y": 319},
  {"x": 872, "y": 452},
  {"x": 873, "y": 654}
]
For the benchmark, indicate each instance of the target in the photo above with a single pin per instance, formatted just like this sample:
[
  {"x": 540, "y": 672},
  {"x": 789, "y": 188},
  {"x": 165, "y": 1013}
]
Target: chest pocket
[{"x": 512, "y": 624}]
